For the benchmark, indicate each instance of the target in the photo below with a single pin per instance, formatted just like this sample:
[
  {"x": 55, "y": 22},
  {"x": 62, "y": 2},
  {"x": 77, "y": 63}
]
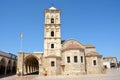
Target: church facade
[{"x": 68, "y": 57}]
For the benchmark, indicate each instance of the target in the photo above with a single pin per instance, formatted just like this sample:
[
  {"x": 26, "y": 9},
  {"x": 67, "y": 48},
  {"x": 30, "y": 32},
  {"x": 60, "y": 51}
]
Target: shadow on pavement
[{"x": 3, "y": 76}]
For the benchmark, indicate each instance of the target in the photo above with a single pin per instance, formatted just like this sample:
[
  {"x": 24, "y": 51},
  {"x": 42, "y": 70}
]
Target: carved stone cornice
[
  {"x": 52, "y": 38},
  {"x": 52, "y": 24},
  {"x": 51, "y": 11}
]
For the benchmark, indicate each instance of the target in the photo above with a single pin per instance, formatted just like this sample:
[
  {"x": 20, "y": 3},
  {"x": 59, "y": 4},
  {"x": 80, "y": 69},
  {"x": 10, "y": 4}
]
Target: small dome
[
  {"x": 89, "y": 46},
  {"x": 52, "y": 8},
  {"x": 73, "y": 46},
  {"x": 93, "y": 54}
]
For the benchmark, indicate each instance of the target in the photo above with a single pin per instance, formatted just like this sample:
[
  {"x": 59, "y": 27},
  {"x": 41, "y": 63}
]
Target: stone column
[
  {"x": 11, "y": 68},
  {"x": 28, "y": 69},
  {"x": 24, "y": 69},
  {"x": 5, "y": 69},
  {"x": 32, "y": 68},
  {"x": 20, "y": 64},
  {"x": 40, "y": 69}
]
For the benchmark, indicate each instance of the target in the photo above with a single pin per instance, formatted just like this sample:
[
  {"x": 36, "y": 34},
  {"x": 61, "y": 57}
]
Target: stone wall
[
  {"x": 91, "y": 68},
  {"x": 73, "y": 68},
  {"x": 48, "y": 68}
]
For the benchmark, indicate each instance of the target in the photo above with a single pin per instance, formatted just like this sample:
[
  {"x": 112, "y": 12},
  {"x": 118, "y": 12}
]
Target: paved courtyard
[{"x": 113, "y": 74}]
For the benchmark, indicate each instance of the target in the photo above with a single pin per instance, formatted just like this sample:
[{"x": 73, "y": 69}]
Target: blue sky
[{"x": 94, "y": 22}]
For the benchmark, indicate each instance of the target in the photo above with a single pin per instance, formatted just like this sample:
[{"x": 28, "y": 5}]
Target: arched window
[
  {"x": 52, "y": 20},
  {"x": 52, "y": 45},
  {"x": 94, "y": 62},
  {"x": 52, "y": 33},
  {"x": 68, "y": 59},
  {"x": 81, "y": 59},
  {"x": 75, "y": 59},
  {"x": 52, "y": 63}
]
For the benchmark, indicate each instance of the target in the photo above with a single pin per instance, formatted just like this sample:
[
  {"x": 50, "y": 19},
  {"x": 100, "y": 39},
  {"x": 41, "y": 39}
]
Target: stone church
[{"x": 60, "y": 57}]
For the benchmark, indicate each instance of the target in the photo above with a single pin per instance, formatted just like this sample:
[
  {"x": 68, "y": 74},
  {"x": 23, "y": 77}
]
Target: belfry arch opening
[
  {"x": 31, "y": 65},
  {"x": 52, "y": 33},
  {"x": 52, "y": 20}
]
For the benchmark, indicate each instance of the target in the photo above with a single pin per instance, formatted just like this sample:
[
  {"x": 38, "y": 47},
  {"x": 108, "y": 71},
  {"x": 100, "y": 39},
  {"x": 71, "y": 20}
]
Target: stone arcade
[
  {"x": 8, "y": 63},
  {"x": 68, "y": 57}
]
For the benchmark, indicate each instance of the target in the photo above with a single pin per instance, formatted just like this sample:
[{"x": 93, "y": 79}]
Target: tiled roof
[
  {"x": 73, "y": 46},
  {"x": 89, "y": 46},
  {"x": 93, "y": 54},
  {"x": 109, "y": 57}
]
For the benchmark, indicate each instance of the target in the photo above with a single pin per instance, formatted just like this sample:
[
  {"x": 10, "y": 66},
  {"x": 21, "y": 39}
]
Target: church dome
[
  {"x": 52, "y": 8},
  {"x": 73, "y": 46}
]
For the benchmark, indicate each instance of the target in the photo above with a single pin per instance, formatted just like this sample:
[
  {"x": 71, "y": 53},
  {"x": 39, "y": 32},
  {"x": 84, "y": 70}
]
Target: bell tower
[{"x": 52, "y": 35}]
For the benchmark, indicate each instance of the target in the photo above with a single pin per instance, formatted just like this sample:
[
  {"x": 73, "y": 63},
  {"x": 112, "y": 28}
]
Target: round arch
[
  {"x": 31, "y": 65},
  {"x": 2, "y": 66},
  {"x": 9, "y": 67},
  {"x": 14, "y": 67}
]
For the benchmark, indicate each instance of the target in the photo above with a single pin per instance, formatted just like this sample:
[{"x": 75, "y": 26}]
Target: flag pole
[{"x": 21, "y": 42}]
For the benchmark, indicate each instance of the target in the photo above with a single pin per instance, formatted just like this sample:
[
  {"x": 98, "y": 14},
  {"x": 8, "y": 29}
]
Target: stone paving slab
[{"x": 113, "y": 74}]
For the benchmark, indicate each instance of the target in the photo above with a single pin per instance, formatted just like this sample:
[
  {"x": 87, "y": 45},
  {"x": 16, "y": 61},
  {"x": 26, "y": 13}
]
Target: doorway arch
[{"x": 31, "y": 65}]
